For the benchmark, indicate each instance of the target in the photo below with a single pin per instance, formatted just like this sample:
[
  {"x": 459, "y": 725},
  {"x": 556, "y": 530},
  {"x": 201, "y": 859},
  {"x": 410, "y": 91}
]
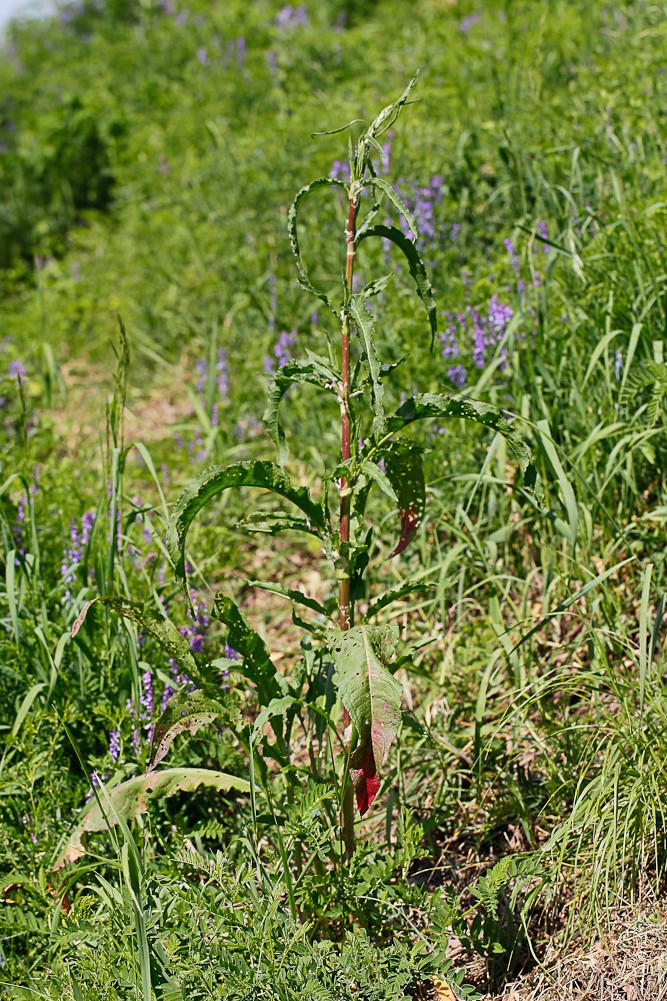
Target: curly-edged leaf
[
  {"x": 313, "y": 370},
  {"x": 189, "y": 711},
  {"x": 408, "y": 587},
  {"x": 416, "y": 265},
  {"x": 405, "y": 471},
  {"x": 388, "y": 115},
  {"x": 365, "y": 326},
  {"x": 130, "y": 798},
  {"x": 420, "y": 407},
  {"x": 289, "y": 592},
  {"x": 277, "y": 707},
  {"x": 161, "y": 629},
  {"x": 372, "y": 696},
  {"x": 396, "y": 200},
  {"x": 257, "y": 665},
  {"x": 294, "y": 236},
  {"x": 212, "y": 482}
]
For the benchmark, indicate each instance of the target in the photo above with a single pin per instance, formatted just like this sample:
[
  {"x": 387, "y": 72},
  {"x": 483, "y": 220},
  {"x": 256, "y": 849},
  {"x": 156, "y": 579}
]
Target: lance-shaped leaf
[
  {"x": 257, "y": 665},
  {"x": 157, "y": 626},
  {"x": 416, "y": 265},
  {"x": 372, "y": 696},
  {"x": 298, "y": 597},
  {"x": 292, "y": 230},
  {"x": 405, "y": 471},
  {"x": 396, "y": 200},
  {"x": 212, "y": 482},
  {"x": 365, "y": 326},
  {"x": 189, "y": 711},
  {"x": 420, "y": 407},
  {"x": 314, "y": 370},
  {"x": 130, "y": 798}
]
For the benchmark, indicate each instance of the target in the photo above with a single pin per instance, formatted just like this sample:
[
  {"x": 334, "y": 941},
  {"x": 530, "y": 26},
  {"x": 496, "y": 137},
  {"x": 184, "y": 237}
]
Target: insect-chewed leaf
[
  {"x": 416, "y": 265},
  {"x": 212, "y": 482},
  {"x": 188, "y": 711},
  {"x": 130, "y": 798},
  {"x": 161, "y": 629},
  {"x": 372, "y": 696},
  {"x": 294, "y": 236},
  {"x": 405, "y": 471},
  {"x": 257, "y": 665},
  {"x": 314, "y": 370},
  {"x": 420, "y": 407}
]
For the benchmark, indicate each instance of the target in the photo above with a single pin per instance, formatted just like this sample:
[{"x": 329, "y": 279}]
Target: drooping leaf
[
  {"x": 188, "y": 711},
  {"x": 130, "y": 798},
  {"x": 405, "y": 471},
  {"x": 396, "y": 200},
  {"x": 435, "y": 405},
  {"x": 410, "y": 586},
  {"x": 416, "y": 265},
  {"x": 160, "y": 628},
  {"x": 292, "y": 229},
  {"x": 257, "y": 665},
  {"x": 372, "y": 696},
  {"x": 266, "y": 475},
  {"x": 313, "y": 370},
  {"x": 275, "y": 523},
  {"x": 365, "y": 326}
]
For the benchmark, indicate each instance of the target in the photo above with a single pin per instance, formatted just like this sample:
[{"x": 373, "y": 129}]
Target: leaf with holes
[
  {"x": 188, "y": 712},
  {"x": 405, "y": 471},
  {"x": 266, "y": 475},
  {"x": 372, "y": 696},
  {"x": 130, "y": 798},
  {"x": 314, "y": 370},
  {"x": 257, "y": 665},
  {"x": 426, "y": 405}
]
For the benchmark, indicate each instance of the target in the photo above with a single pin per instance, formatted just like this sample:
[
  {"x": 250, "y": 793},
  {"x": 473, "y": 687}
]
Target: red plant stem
[
  {"x": 344, "y": 609},
  {"x": 344, "y": 604}
]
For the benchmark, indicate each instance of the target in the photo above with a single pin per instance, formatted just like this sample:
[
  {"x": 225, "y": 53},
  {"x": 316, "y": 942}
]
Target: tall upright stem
[{"x": 344, "y": 602}]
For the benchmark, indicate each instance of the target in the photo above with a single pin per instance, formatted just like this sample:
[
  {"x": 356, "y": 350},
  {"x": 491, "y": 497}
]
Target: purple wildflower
[
  {"x": 114, "y": 745},
  {"x": 241, "y": 48},
  {"x": 17, "y": 370},
  {"x": 291, "y": 17},
  {"x": 202, "y": 55},
  {"x": 468, "y": 22},
  {"x": 457, "y": 375}
]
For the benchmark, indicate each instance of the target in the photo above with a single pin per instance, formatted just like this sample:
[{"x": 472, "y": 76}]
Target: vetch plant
[{"x": 357, "y": 655}]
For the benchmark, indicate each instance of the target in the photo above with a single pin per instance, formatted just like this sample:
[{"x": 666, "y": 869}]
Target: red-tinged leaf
[
  {"x": 81, "y": 617},
  {"x": 409, "y": 522},
  {"x": 372, "y": 696},
  {"x": 364, "y": 776}
]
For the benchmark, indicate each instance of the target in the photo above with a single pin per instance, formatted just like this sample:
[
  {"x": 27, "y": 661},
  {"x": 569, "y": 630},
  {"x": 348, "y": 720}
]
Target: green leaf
[
  {"x": 372, "y": 696},
  {"x": 130, "y": 798},
  {"x": 257, "y": 664},
  {"x": 314, "y": 370},
  {"x": 396, "y": 200},
  {"x": 304, "y": 279},
  {"x": 416, "y": 265},
  {"x": 188, "y": 711},
  {"x": 365, "y": 326},
  {"x": 408, "y": 587},
  {"x": 420, "y": 407},
  {"x": 212, "y": 482},
  {"x": 161, "y": 629},
  {"x": 288, "y": 592},
  {"x": 275, "y": 523},
  {"x": 405, "y": 472}
]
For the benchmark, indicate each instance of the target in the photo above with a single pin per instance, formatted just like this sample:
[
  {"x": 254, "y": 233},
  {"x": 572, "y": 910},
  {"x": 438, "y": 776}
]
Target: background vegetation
[{"x": 149, "y": 152}]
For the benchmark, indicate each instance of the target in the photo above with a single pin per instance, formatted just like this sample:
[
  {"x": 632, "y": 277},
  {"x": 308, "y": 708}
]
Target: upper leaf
[
  {"x": 212, "y": 482},
  {"x": 416, "y": 265},
  {"x": 314, "y": 370},
  {"x": 292, "y": 217},
  {"x": 372, "y": 696}
]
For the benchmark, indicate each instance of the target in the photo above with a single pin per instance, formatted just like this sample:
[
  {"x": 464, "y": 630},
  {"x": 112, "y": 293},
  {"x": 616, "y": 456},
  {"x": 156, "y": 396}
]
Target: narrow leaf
[
  {"x": 294, "y": 236},
  {"x": 396, "y": 200},
  {"x": 212, "y": 482},
  {"x": 257, "y": 664},
  {"x": 313, "y": 370},
  {"x": 289, "y": 592},
  {"x": 365, "y": 326},
  {"x": 416, "y": 265}
]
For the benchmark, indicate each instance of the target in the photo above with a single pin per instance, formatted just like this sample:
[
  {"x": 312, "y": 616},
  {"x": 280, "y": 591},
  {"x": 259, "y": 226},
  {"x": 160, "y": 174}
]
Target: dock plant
[{"x": 344, "y": 694}]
